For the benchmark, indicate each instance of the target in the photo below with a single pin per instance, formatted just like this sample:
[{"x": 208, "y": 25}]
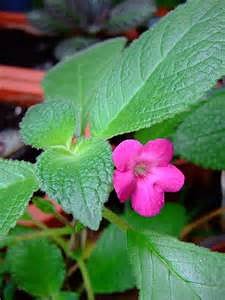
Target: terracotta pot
[
  {"x": 20, "y": 86},
  {"x": 48, "y": 219},
  {"x": 14, "y": 20}
]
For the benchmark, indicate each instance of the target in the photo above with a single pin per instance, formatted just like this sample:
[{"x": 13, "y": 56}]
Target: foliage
[
  {"x": 157, "y": 82},
  {"x": 204, "y": 127},
  {"x": 35, "y": 261},
  {"x": 91, "y": 16}
]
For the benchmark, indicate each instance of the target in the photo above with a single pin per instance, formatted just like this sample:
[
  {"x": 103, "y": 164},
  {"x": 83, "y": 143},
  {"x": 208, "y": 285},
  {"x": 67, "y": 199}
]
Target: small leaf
[
  {"x": 166, "y": 268},
  {"x": 78, "y": 179},
  {"x": 171, "y": 220},
  {"x": 49, "y": 124},
  {"x": 17, "y": 184},
  {"x": 168, "y": 69},
  {"x": 129, "y": 14},
  {"x": 37, "y": 267},
  {"x": 109, "y": 260},
  {"x": 201, "y": 137},
  {"x": 76, "y": 77},
  {"x": 44, "y": 205}
]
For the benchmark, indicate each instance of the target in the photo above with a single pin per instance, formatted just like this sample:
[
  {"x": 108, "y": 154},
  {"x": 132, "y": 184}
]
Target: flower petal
[
  {"x": 124, "y": 184},
  {"x": 147, "y": 199},
  {"x": 169, "y": 178},
  {"x": 159, "y": 152},
  {"x": 125, "y": 153}
]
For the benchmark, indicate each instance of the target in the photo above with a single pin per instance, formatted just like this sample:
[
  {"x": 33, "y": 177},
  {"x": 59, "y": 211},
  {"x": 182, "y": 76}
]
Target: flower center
[{"x": 141, "y": 169}]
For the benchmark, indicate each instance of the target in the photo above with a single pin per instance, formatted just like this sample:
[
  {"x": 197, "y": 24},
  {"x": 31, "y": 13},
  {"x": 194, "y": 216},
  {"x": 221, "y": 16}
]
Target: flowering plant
[{"x": 157, "y": 88}]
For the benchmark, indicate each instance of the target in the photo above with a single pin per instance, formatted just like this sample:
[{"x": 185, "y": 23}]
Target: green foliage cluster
[{"x": 157, "y": 86}]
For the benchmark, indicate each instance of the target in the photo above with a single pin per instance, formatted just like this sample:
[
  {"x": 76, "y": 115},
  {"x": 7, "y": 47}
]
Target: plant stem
[
  {"x": 206, "y": 218},
  {"x": 72, "y": 255},
  {"x": 37, "y": 234},
  {"x": 62, "y": 219},
  {"x": 80, "y": 263},
  {"x": 86, "y": 278},
  {"x": 115, "y": 219}
]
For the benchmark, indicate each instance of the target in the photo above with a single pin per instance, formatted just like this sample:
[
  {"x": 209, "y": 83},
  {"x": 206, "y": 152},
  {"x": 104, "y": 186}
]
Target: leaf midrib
[
  {"x": 152, "y": 249},
  {"x": 152, "y": 72}
]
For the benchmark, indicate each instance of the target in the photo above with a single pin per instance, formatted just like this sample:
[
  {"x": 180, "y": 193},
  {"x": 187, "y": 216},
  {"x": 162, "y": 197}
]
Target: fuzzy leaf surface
[
  {"x": 164, "y": 72},
  {"x": 79, "y": 179},
  {"x": 17, "y": 185},
  {"x": 166, "y": 268},
  {"x": 37, "y": 267},
  {"x": 49, "y": 124},
  {"x": 201, "y": 137}
]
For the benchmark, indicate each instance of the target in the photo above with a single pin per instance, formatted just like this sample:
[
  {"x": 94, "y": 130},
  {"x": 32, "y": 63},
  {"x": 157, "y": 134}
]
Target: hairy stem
[
  {"x": 115, "y": 219},
  {"x": 36, "y": 234},
  {"x": 206, "y": 218}
]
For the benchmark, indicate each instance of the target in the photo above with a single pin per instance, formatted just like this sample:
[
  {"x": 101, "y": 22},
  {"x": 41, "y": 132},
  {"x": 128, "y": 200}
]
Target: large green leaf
[
  {"x": 77, "y": 77},
  {"x": 78, "y": 179},
  {"x": 109, "y": 261},
  {"x": 166, "y": 268},
  {"x": 49, "y": 124},
  {"x": 37, "y": 267},
  {"x": 17, "y": 184},
  {"x": 171, "y": 220},
  {"x": 165, "y": 71},
  {"x": 201, "y": 137}
]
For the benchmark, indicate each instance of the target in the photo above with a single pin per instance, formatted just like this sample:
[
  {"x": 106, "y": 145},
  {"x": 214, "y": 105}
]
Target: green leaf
[
  {"x": 66, "y": 296},
  {"x": 201, "y": 137},
  {"x": 78, "y": 179},
  {"x": 77, "y": 77},
  {"x": 49, "y": 124},
  {"x": 129, "y": 14},
  {"x": 44, "y": 205},
  {"x": 109, "y": 261},
  {"x": 171, "y": 220},
  {"x": 164, "y": 72},
  {"x": 166, "y": 268},
  {"x": 37, "y": 267},
  {"x": 17, "y": 184},
  {"x": 163, "y": 129}
]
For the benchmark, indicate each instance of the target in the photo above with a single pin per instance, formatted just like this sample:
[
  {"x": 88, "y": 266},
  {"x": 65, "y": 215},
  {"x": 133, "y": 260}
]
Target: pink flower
[{"x": 143, "y": 173}]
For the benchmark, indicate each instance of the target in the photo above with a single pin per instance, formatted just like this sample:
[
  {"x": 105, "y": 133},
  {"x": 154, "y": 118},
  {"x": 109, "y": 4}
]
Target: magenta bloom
[{"x": 143, "y": 173}]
